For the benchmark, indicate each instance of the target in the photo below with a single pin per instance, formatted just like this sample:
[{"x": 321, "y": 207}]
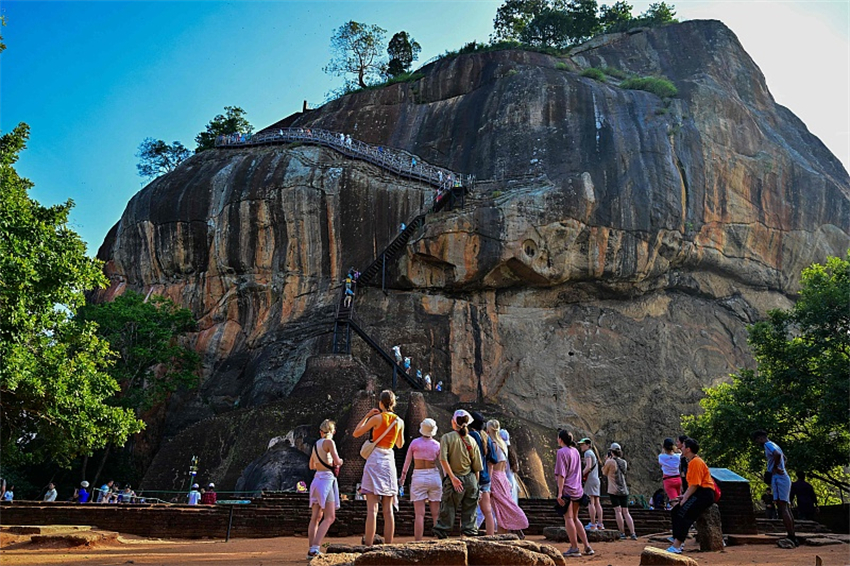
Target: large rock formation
[{"x": 603, "y": 272}]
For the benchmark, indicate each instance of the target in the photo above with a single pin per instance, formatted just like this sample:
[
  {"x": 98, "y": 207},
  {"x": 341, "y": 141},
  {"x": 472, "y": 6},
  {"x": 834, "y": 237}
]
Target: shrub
[
  {"x": 594, "y": 74},
  {"x": 511, "y": 72},
  {"x": 403, "y": 78},
  {"x": 656, "y": 85},
  {"x": 561, "y": 66},
  {"x": 497, "y": 194},
  {"x": 660, "y": 111},
  {"x": 616, "y": 73}
]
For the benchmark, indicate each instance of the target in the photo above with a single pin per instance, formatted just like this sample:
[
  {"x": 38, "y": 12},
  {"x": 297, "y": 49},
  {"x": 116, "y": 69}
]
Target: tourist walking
[
  {"x": 506, "y": 436},
  {"x": 697, "y": 498},
  {"x": 592, "y": 485},
  {"x": 461, "y": 462},
  {"x": 380, "y": 480},
  {"x": 485, "y": 507},
  {"x": 568, "y": 475},
  {"x": 426, "y": 485},
  {"x": 807, "y": 499},
  {"x": 508, "y": 515},
  {"x": 670, "y": 463},
  {"x": 618, "y": 490},
  {"x": 397, "y": 353},
  {"x": 324, "y": 489},
  {"x": 780, "y": 483}
]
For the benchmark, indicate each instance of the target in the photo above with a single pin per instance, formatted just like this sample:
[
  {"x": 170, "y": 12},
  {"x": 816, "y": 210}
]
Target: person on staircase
[
  {"x": 397, "y": 353},
  {"x": 324, "y": 489},
  {"x": 461, "y": 462},
  {"x": 427, "y": 382},
  {"x": 349, "y": 295},
  {"x": 426, "y": 485},
  {"x": 509, "y": 516},
  {"x": 380, "y": 480}
]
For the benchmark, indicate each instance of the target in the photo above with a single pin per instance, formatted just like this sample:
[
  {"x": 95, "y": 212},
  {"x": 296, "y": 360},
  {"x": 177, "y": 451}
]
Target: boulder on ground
[
  {"x": 487, "y": 553},
  {"x": 443, "y": 553},
  {"x": 335, "y": 559},
  {"x": 556, "y": 555},
  {"x": 786, "y": 543},
  {"x": 652, "y": 556}
]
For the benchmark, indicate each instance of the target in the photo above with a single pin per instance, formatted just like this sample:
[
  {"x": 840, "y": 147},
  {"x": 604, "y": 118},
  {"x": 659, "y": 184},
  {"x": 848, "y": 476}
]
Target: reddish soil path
[{"x": 292, "y": 550}]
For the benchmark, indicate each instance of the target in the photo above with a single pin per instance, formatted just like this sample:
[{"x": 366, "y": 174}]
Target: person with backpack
[
  {"x": 590, "y": 474},
  {"x": 699, "y": 496},
  {"x": 462, "y": 464},
  {"x": 615, "y": 470}
]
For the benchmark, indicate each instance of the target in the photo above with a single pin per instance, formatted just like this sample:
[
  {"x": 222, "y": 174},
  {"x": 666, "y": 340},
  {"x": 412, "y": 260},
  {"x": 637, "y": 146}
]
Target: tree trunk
[
  {"x": 83, "y": 470},
  {"x": 100, "y": 467}
]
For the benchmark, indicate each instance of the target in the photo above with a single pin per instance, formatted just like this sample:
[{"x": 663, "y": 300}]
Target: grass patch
[
  {"x": 496, "y": 194},
  {"x": 403, "y": 78},
  {"x": 511, "y": 72},
  {"x": 660, "y": 111},
  {"x": 561, "y": 66},
  {"x": 616, "y": 73},
  {"x": 594, "y": 74},
  {"x": 656, "y": 85}
]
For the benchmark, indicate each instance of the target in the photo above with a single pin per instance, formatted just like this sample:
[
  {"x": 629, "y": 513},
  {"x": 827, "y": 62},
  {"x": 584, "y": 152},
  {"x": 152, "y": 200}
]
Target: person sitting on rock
[{"x": 697, "y": 498}]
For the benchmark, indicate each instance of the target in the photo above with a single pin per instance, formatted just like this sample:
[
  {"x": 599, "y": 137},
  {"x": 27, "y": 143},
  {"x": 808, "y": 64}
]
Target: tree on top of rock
[
  {"x": 403, "y": 51},
  {"x": 357, "y": 51},
  {"x": 233, "y": 121},
  {"x": 157, "y": 157},
  {"x": 513, "y": 16}
]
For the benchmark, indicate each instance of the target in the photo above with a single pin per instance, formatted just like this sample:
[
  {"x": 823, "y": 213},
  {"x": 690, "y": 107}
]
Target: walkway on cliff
[{"x": 451, "y": 188}]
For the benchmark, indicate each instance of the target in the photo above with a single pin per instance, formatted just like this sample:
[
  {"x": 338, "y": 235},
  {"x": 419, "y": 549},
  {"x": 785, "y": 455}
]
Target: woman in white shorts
[
  {"x": 324, "y": 490},
  {"x": 427, "y": 484}
]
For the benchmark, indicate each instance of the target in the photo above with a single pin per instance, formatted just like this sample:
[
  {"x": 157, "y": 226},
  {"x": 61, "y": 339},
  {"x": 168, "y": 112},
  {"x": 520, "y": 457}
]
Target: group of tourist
[
  {"x": 109, "y": 492},
  {"x": 466, "y": 471},
  {"x": 204, "y": 496},
  {"x": 406, "y": 363}
]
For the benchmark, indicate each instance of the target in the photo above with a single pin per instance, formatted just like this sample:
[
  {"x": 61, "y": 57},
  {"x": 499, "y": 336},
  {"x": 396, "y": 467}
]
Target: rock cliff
[{"x": 603, "y": 272}]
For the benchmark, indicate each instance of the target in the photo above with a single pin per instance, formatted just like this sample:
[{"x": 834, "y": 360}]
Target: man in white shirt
[{"x": 50, "y": 495}]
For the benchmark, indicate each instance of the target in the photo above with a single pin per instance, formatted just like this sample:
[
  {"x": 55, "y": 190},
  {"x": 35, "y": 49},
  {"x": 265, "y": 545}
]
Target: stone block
[
  {"x": 335, "y": 559},
  {"x": 486, "y": 553},
  {"x": 652, "y": 556},
  {"x": 710, "y": 530},
  {"x": 443, "y": 553}
]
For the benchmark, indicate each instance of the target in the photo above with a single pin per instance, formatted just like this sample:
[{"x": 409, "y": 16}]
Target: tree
[
  {"x": 659, "y": 13},
  {"x": 54, "y": 389},
  {"x": 233, "y": 121},
  {"x": 357, "y": 51},
  {"x": 615, "y": 17},
  {"x": 157, "y": 157},
  {"x": 550, "y": 28},
  {"x": 800, "y": 391},
  {"x": 403, "y": 51},
  {"x": 513, "y": 16},
  {"x": 585, "y": 22}
]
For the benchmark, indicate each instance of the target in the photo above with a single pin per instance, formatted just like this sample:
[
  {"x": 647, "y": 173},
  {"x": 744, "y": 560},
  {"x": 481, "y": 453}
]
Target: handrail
[{"x": 393, "y": 160}]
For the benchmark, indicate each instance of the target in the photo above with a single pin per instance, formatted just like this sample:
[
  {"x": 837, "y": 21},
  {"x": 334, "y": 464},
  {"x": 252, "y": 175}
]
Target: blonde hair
[
  {"x": 327, "y": 427},
  {"x": 493, "y": 428},
  {"x": 388, "y": 399}
]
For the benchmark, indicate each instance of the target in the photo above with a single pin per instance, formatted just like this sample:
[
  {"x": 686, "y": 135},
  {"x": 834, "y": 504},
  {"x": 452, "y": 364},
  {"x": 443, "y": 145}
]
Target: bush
[
  {"x": 511, "y": 72},
  {"x": 561, "y": 66},
  {"x": 616, "y": 73},
  {"x": 656, "y": 85},
  {"x": 402, "y": 78},
  {"x": 594, "y": 74},
  {"x": 496, "y": 194}
]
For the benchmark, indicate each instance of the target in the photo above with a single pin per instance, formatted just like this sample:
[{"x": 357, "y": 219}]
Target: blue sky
[{"x": 93, "y": 79}]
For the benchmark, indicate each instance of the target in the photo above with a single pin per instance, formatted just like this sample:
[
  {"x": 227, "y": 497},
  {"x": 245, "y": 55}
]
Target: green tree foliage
[
  {"x": 550, "y": 28},
  {"x": 233, "y": 121},
  {"x": 403, "y": 50},
  {"x": 800, "y": 392},
  {"x": 615, "y": 17},
  {"x": 151, "y": 363},
  {"x": 514, "y": 15},
  {"x": 54, "y": 388},
  {"x": 659, "y": 13},
  {"x": 157, "y": 157},
  {"x": 357, "y": 51}
]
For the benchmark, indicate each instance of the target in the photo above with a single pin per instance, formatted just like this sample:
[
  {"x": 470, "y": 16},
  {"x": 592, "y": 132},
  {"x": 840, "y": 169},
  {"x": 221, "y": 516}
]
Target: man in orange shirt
[{"x": 698, "y": 497}]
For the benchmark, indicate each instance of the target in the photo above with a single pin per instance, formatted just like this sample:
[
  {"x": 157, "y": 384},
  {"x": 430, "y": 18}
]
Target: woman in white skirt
[
  {"x": 426, "y": 485},
  {"x": 380, "y": 481},
  {"x": 324, "y": 490}
]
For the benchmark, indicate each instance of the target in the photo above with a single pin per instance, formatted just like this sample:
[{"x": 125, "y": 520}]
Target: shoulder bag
[
  {"x": 369, "y": 446},
  {"x": 334, "y": 469}
]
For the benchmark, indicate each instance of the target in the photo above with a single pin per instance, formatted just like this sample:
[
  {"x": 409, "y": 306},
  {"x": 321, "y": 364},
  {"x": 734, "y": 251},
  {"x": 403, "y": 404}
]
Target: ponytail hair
[
  {"x": 566, "y": 437},
  {"x": 327, "y": 427},
  {"x": 462, "y": 425}
]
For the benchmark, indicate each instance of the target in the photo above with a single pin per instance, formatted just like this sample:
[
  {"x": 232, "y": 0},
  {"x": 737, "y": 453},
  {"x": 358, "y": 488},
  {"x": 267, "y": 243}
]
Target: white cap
[
  {"x": 461, "y": 413},
  {"x": 84, "y": 484},
  {"x": 615, "y": 446},
  {"x": 428, "y": 427},
  {"x": 194, "y": 486},
  {"x": 211, "y": 484},
  {"x": 506, "y": 436}
]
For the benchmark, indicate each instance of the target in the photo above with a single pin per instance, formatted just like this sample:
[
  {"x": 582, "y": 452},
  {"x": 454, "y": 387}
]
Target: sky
[{"x": 93, "y": 79}]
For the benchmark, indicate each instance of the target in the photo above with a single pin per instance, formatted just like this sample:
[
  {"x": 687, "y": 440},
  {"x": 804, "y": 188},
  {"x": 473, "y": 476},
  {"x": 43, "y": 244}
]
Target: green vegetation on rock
[
  {"x": 594, "y": 74},
  {"x": 233, "y": 121},
  {"x": 658, "y": 86}
]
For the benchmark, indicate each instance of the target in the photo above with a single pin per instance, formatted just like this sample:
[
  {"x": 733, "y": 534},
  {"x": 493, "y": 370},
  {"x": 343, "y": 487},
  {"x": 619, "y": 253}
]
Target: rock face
[{"x": 603, "y": 272}]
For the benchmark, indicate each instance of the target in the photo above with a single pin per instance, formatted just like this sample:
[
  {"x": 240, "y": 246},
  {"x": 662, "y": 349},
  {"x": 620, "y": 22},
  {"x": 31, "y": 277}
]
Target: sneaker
[
  {"x": 633, "y": 537},
  {"x": 622, "y": 536},
  {"x": 572, "y": 552},
  {"x": 674, "y": 550},
  {"x": 590, "y": 527},
  {"x": 588, "y": 551},
  {"x": 312, "y": 554},
  {"x": 600, "y": 527},
  {"x": 671, "y": 540}
]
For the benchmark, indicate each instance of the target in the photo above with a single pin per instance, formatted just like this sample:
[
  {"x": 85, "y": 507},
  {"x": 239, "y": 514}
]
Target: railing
[{"x": 393, "y": 160}]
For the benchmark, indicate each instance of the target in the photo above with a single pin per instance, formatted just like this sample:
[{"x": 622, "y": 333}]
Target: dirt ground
[{"x": 17, "y": 551}]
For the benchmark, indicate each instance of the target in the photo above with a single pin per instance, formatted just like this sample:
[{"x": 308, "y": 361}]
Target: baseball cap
[
  {"x": 194, "y": 486},
  {"x": 584, "y": 441},
  {"x": 506, "y": 436},
  {"x": 615, "y": 446}
]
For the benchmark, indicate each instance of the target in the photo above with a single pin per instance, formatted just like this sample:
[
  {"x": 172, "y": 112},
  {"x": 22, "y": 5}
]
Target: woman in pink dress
[{"x": 509, "y": 517}]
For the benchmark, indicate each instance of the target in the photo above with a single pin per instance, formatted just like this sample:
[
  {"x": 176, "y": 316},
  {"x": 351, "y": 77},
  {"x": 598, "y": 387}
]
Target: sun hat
[
  {"x": 615, "y": 446},
  {"x": 461, "y": 413},
  {"x": 506, "y": 436},
  {"x": 428, "y": 427}
]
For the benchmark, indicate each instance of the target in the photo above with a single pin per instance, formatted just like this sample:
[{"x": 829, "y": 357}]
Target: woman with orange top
[
  {"x": 697, "y": 498},
  {"x": 380, "y": 481}
]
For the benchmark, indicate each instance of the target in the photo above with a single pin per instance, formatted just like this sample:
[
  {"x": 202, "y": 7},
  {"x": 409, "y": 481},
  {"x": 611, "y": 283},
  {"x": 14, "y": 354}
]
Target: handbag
[
  {"x": 369, "y": 446},
  {"x": 334, "y": 469}
]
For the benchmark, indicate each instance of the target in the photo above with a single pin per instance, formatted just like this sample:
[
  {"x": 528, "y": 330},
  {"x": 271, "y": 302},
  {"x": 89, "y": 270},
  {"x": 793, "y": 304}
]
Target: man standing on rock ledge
[{"x": 780, "y": 483}]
